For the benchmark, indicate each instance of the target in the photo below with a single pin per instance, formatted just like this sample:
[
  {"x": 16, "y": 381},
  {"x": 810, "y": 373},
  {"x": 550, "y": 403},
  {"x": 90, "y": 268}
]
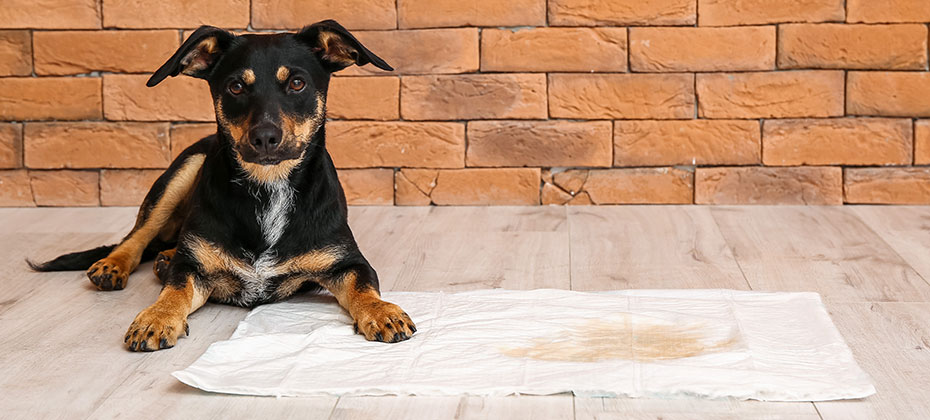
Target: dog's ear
[
  {"x": 196, "y": 56},
  {"x": 337, "y": 48}
]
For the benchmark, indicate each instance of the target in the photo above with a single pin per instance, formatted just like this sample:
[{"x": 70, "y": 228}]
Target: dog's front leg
[
  {"x": 356, "y": 289},
  {"x": 159, "y": 326}
]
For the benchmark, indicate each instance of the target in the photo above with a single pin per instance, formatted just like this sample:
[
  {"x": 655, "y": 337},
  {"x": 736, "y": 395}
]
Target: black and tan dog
[{"x": 255, "y": 212}]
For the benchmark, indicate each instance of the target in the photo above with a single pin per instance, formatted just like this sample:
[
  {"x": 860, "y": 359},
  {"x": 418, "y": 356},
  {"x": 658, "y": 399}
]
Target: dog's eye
[
  {"x": 297, "y": 84},
  {"x": 235, "y": 87}
]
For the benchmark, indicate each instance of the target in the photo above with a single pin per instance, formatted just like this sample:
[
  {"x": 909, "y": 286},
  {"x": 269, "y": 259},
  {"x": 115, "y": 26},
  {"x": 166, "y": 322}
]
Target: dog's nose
[{"x": 265, "y": 138}]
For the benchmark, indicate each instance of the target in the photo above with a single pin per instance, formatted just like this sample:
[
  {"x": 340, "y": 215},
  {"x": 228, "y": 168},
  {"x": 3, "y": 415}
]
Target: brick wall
[{"x": 500, "y": 102}]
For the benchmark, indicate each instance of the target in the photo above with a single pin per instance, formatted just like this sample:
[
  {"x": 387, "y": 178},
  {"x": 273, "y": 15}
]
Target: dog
[{"x": 254, "y": 213}]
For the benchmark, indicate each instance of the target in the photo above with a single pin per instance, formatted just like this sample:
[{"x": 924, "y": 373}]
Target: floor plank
[
  {"x": 906, "y": 229},
  {"x": 643, "y": 409},
  {"x": 556, "y": 407}
]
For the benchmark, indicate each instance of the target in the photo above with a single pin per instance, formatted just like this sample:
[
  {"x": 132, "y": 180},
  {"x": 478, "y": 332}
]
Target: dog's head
[{"x": 269, "y": 91}]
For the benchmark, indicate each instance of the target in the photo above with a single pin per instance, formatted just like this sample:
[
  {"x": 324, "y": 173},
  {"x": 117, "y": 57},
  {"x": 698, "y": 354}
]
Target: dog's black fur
[{"x": 255, "y": 212}]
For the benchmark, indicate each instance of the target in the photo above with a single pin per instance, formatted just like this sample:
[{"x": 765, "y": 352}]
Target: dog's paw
[
  {"x": 108, "y": 274},
  {"x": 384, "y": 321},
  {"x": 154, "y": 329},
  {"x": 161, "y": 262}
]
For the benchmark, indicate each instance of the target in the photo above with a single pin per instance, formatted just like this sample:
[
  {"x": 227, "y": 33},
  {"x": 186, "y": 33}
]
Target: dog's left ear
[
  {"x": 337, "y": 48},
  {"x": 196, "y": 56}
]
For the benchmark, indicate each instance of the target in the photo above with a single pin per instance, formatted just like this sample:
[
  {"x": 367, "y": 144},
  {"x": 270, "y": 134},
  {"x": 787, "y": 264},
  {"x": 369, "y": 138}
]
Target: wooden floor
[{"x": 61, "y": 352}]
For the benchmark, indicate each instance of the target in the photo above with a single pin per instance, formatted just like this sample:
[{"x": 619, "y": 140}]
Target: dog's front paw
[
  {"x": 155, "y": 329},
  {"x": 108, "y": 274},
  {"x": 384, "y": 321}
]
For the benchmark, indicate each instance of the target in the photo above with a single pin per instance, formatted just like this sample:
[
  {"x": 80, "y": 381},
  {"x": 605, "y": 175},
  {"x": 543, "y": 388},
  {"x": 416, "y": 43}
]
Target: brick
[
  {"x": 702, "y": 49},
  {"x": 15, "y": 53},
  {"x": 554, "y": 49},
  {"x": 353, "y": 14},
  {"x": 184, "y": 135},
  {"x": 361, "y": 144},
  {"x": 126, "y": 187},
  {"x": 876, "y": 11},
  {"x": 689, "y": 142},
  {"x": 627, "y": 96},
  {"x": 96, "y": 145},
  {"x": 922, "y": 142},
  {"x": 363, "y": 98},
  {"x": 898, "y": 94},
  {"x": 771, "y": 95},
  {"x": 50, "y": 14},
  {"x": 74, "y": 52},
  {"x": 15, "y": 189},
  {"x": 175, "y": 13},
  {"x": 837, "y": 141},
  {"x": 65, "y": 188},
  {"x": 538, "y": 143},
  {"x": 815, "y": 185},
  {"x": 437, "y": 51},
  {"x": 756, "y": 12},
  {"x": 126, "y": 98},
  {"x": 887, "y": 185},
  {"x": 622, "y": 186},
  {"x": 471, "y": 187},
  {"x": 836, "y": 46},
  {"x": 412, "y": 188},
  {"x": 368, "y": 187},
  {"x": 621, "y": 12},
  {"x": 11, "y": 145},
  {"x": 445, "y": 13},
  {"x": 475, "y": 96},
  {"x": 50, "y": 98}
]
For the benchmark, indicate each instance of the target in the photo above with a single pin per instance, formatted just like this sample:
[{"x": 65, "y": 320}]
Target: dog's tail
[{"x": 80, "y": 260}]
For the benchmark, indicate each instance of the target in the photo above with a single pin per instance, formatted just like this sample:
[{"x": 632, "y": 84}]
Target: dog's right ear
[{"x": 196, "y": 56}]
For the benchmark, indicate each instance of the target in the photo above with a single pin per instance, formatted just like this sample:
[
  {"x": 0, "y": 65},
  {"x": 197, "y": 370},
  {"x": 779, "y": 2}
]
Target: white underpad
[{"x": 638, "y": 343}]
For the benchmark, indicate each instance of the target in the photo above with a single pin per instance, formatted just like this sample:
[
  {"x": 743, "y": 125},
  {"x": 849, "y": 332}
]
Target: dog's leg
[
  {"x": 176, "y": 184},
  {"x": 159, "y": 326},
  {"x": 356, "y": 289},
  {"x": 161, "y": 263}
]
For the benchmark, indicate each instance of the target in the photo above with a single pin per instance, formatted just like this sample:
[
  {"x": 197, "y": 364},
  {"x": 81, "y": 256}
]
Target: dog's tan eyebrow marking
[
  {"x": 248, "y": 76},
  {"x": 282, "y": 73}
]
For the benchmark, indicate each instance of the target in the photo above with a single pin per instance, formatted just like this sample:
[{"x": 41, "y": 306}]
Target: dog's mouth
[{"x": 250, "y": 155}]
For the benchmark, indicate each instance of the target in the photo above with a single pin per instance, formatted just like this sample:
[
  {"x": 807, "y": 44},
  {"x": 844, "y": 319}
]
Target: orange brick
[
  {"x": 690, "y": 142},
  {"x": 621, "y": 12},
  {"x": 627, "y": 96},
  {"x": 184, "y": 135},
  {"x": 621, "y": 186},
  {"x": 50, "y": 98},
  {"x": 443, "y": 13},
  {"x": 887, "y": 185},
  {"x": 126, "y": 98},
  {"x": 50, "y": 14},
  {"x": 15, "y": 189},
  {"x": 470, "y": 187},
  {"x": 538, "y": 143},
  {"x": 755, "y": 12},
  {"x": 65, "y": 188},
  {"x": 898, "y": 94},
  {"x": 757, "y": 185},
  {"x": 852, "y": 46},
  {"x": 771, "y": 95},
  {"x": 368, "y": 187},
  {"x": 96, "y": 145},
  {"x": 126, "y": 187},
  {"x": 702, "y": 49},
  {"x": 11, "y": 145},
  {"x": 363, "y": 98},
  {"x": 554, "y": 49},
  {"x": 15, "y": 53},
  {"x": 843, "y": 141},
  {"x": 437, "y": 51},
  {"x": 74, "y": 52},
  {"x": 175, "y": 13},
  {"x": 876, "y": 11},
  {"x": 473, "y": 96},
  {"x": 353, "y": 14},
  {"x": 922, "y": 142},
  {"x": 365, "y": 144}
]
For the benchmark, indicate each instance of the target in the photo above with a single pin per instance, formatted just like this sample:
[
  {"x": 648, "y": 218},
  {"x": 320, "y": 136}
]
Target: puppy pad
[{"x": 638, "y": 343}]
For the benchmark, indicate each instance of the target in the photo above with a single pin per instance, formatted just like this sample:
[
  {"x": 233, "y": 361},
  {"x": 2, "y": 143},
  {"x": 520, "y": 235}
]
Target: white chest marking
[{"x": 272, "y": 220}]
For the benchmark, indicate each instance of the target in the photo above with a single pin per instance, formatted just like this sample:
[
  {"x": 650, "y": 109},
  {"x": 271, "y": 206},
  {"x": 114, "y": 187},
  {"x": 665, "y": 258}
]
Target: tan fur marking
[
  {"x": 374, "y": 318},
  {"x": 282, "y": 74},
  {"x": 166, "y": 319},
  {"x": 335, "y": 49},
  {"x": 269, "y": 173},
  {"x": 236, "y": 131},
  {"x": 197, "y": 59},
  {"x": 300, "y": 131},
  {"x": 313, "y": 261},
  {"x": 214, "y": 259},
  {"x": 248, "y": 76}
]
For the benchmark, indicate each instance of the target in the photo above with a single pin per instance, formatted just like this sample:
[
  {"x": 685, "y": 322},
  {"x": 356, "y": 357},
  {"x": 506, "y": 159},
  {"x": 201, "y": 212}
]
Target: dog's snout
[{"x": 265, "y": 138}]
